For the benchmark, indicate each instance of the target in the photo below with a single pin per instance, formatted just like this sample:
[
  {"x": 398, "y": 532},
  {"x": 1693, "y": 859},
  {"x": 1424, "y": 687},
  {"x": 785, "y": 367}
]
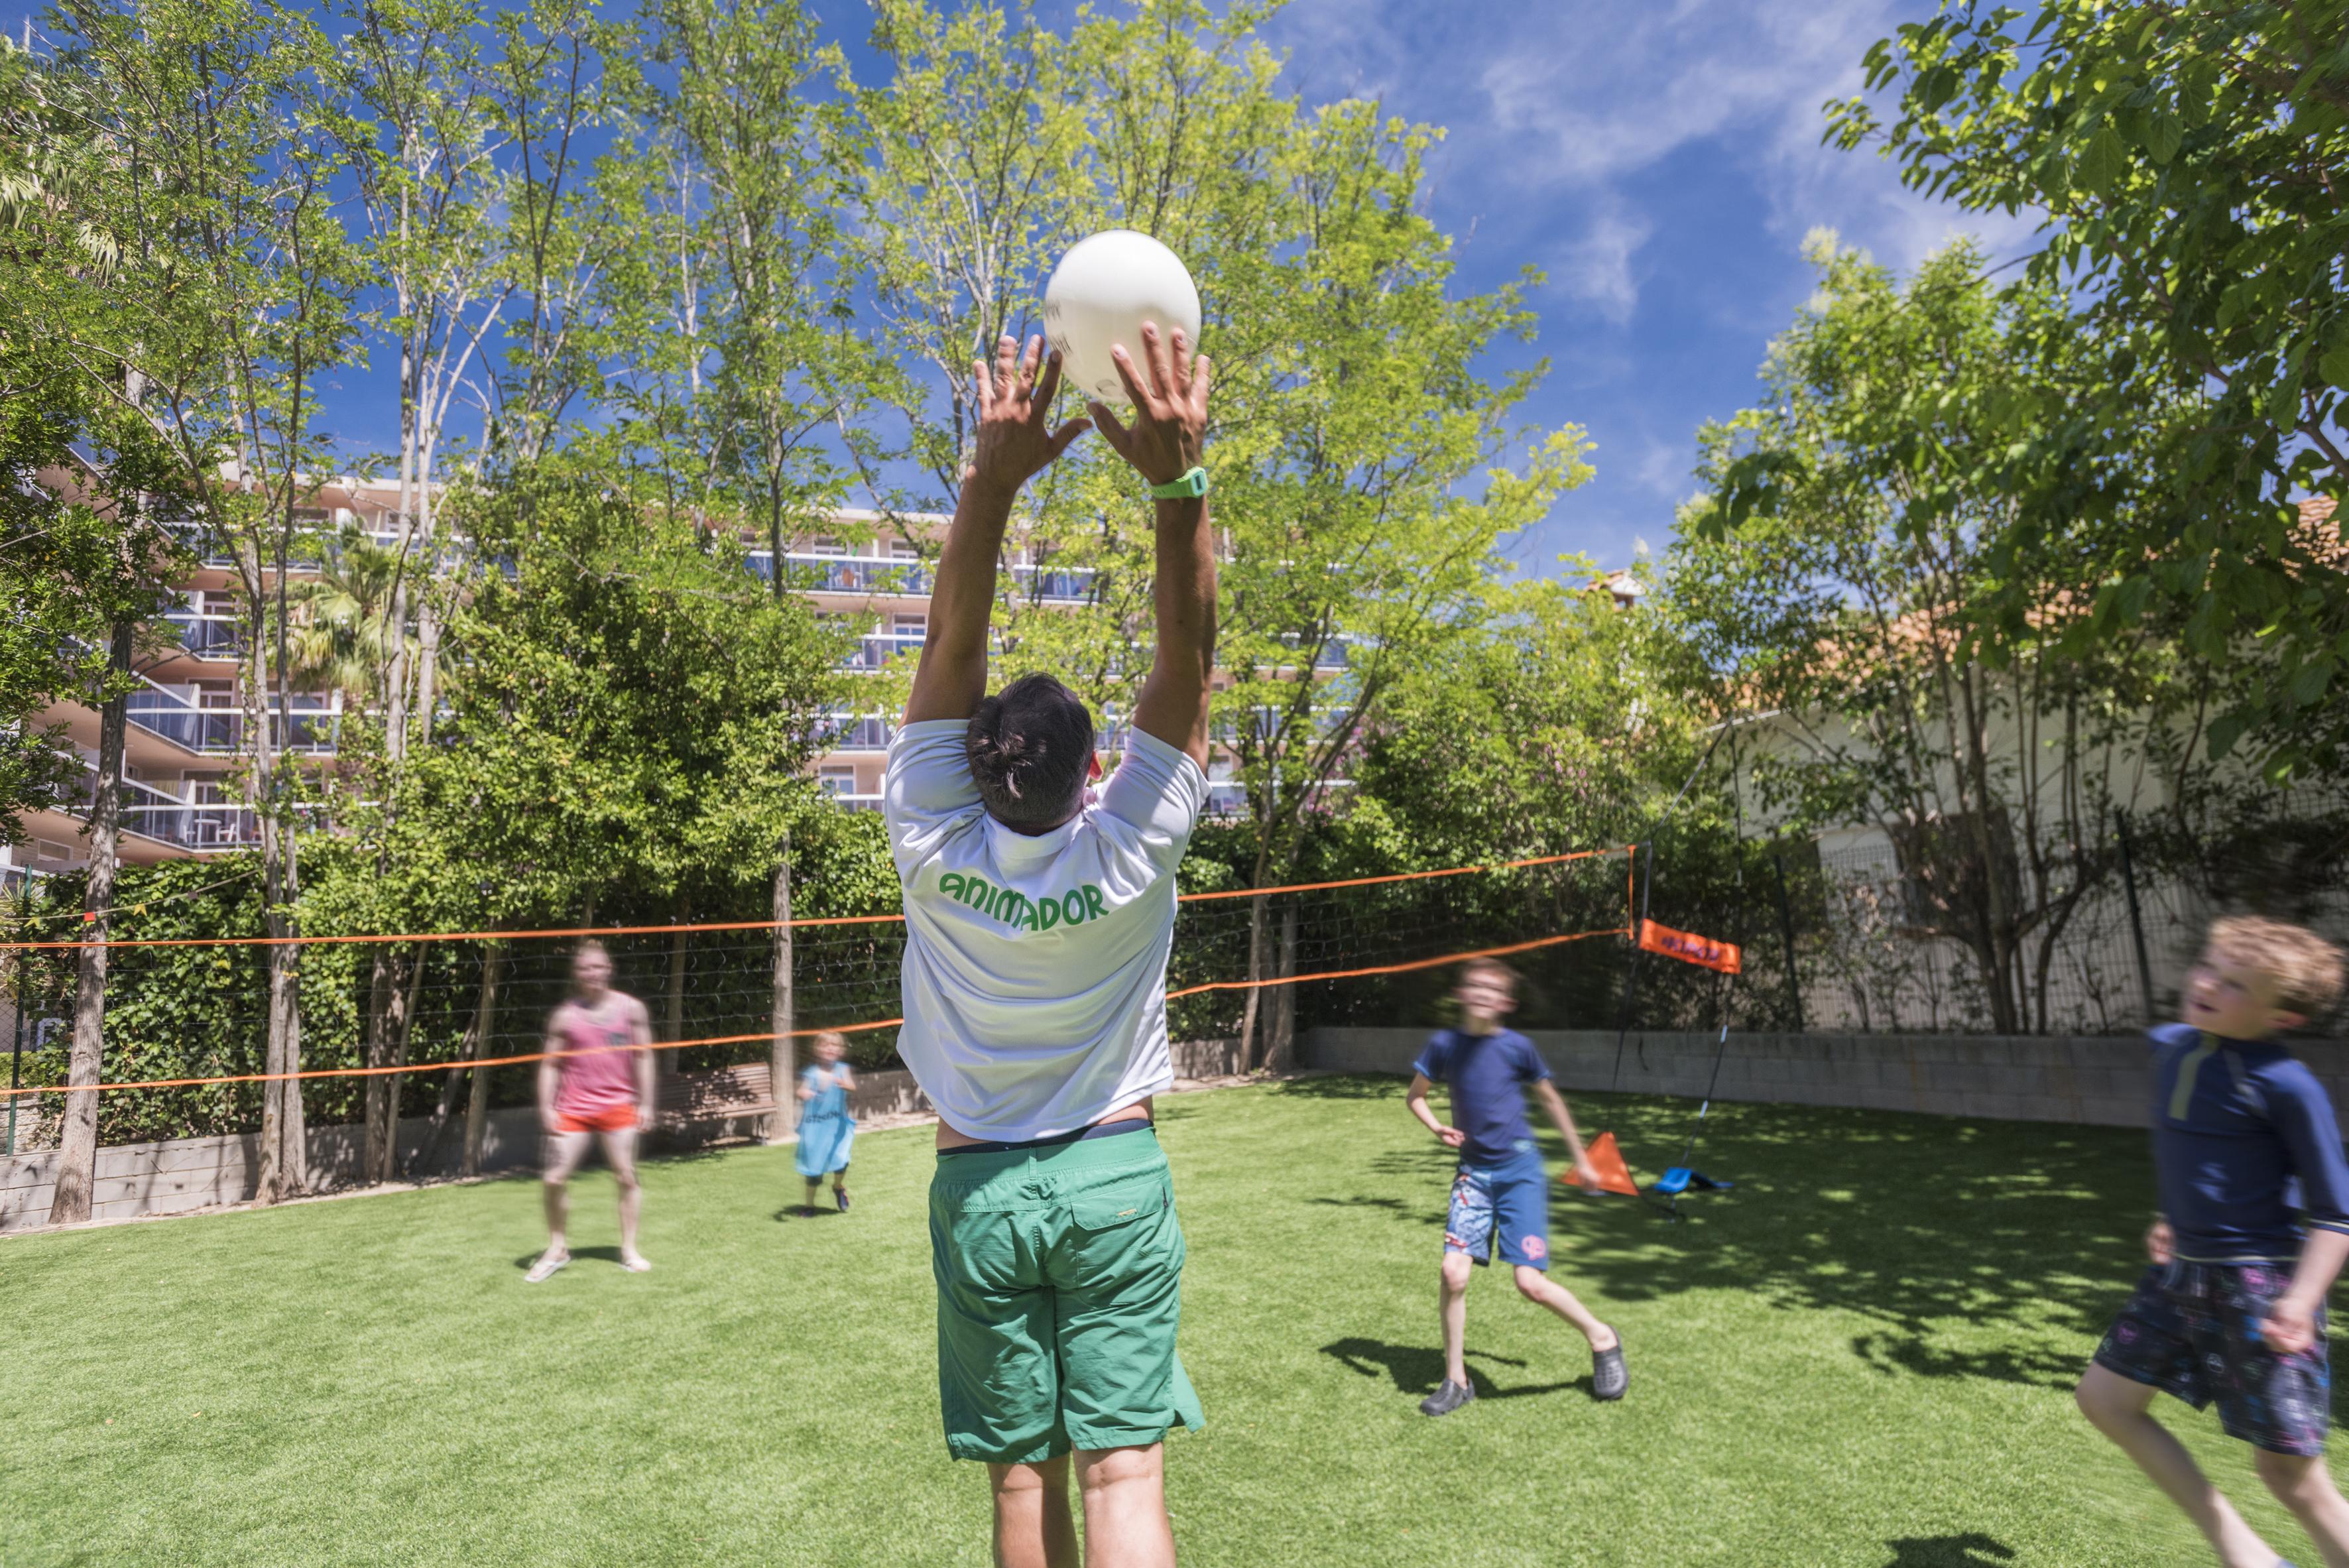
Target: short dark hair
[{"x": 1030, "y": 747}]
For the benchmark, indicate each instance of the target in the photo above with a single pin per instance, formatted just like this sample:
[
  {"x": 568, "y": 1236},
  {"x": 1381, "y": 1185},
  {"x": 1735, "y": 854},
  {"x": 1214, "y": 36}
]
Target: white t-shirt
[{"x": 1035, "y": 974}]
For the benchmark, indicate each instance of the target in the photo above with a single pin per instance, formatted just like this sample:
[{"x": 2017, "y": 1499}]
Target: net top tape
[{"x": 602, "y": 931}]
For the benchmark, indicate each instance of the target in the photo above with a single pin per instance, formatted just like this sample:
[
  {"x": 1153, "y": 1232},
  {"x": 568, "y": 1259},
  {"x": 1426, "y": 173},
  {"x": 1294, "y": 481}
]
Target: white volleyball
[{"x": 1102, "y": 292}]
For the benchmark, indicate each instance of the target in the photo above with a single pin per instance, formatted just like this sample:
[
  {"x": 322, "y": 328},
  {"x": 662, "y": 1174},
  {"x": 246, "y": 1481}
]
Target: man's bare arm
[
  {"x": 1169, "y": 393},
  {"x": 1015, "y": 440}
]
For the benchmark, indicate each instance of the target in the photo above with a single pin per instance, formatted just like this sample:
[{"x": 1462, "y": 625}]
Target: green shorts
[{"x": 1060, "y": 1276}]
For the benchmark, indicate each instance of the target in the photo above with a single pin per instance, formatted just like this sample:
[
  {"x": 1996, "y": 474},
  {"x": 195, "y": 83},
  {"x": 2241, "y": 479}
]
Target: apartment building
[{"x": 186, "y": 720}]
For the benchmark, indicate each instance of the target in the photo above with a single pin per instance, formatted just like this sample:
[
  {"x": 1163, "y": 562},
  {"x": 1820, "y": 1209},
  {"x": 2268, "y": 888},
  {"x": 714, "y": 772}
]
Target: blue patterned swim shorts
[
  {"x": 1500, "y": 1210},
  {"x": 2192, "y": 1330}
]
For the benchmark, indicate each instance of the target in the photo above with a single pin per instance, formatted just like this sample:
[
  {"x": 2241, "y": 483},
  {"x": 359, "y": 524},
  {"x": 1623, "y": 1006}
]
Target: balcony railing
[
  {"x": 865, "y": 574},
  {"x": 875, "y": 649},
  {"x": 208, "y": 637},
  {"x": 1055, "y": 584},
  {"x": 219, "y": 731},
  {"x": 845, "y": 574},
  {"x": 183, "y": 822},
  {"x": 199, "y": 537},
  {"x": 866, "y": 732}
]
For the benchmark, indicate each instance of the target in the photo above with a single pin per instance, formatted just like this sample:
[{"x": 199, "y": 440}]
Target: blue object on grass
[{"x": 1679, "y": 1179}]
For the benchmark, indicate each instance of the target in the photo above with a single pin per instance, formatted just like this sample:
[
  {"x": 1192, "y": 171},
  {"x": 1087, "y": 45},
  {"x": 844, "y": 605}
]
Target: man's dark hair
[{"x": 1029, "y": 747}]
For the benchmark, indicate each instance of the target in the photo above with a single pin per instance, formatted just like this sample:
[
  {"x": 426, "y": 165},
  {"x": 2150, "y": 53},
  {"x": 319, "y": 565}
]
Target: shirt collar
[{"x": 1012, "y": 849}]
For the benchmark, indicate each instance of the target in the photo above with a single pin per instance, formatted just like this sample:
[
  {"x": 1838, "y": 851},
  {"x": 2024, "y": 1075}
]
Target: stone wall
[
  {"x": 2093, "y": 1080},
  {"x": 181, "y": 1174}
]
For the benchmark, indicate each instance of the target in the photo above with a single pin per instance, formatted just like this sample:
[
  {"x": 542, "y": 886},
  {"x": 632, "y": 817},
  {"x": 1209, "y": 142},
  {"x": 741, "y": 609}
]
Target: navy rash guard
[
  {"x": 2243, "y": 1136},
  {"x": 1486, "y": 1075}
]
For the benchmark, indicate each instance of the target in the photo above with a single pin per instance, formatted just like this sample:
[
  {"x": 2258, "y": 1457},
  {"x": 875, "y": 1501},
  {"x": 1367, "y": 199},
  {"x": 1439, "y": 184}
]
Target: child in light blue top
[{"x": 826, "y": 1128}]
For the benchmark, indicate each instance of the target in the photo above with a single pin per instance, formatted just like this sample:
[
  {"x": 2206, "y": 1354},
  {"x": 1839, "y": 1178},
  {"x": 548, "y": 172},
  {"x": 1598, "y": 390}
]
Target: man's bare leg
[
  {"x": 620, "y": 1148},
  {"x": 1033, "y": 1525},
  {"x": 1124, "y": 1492},
  {"x": 1543, "y": 1291},
  {"x": 1457, "y": 1271},
  {"x": 563, "y": 1152},
  {"x": 2121, "y": 1408},
  {"x": 2302, "y": 1484}
]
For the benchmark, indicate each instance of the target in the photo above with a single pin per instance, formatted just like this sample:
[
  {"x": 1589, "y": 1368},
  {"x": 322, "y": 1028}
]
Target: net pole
[{"x": 1632, "y": 981}]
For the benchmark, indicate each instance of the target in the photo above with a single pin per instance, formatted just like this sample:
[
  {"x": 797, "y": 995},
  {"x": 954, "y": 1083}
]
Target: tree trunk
[
  {"x": 1254, "y": 1004},
  {"x": 673, "y": 1013},
  {"x": 386, "y": 991},
  {"x": 78, "y": 1143},
  {"x": 1281, "y": 1053},
  {"x": 284, "y": 1161},
  {"x": 782, "y": 1071},
  {"x": 403, "y": 1028},
  {"x": 477, "y": 1048}
]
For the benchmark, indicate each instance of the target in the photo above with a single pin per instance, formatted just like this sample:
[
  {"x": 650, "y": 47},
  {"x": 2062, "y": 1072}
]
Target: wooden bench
[{"x": 730, "y": 1094}]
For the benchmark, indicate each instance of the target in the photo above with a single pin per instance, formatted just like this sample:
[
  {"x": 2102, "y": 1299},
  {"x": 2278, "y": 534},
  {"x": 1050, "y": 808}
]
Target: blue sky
[{"x": 1661, "y": 160}]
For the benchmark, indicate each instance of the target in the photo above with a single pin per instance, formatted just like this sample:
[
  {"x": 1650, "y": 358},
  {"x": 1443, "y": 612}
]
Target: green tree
[
  {"x": 1361, "y": 455},
  {"x": 1866, "y": 604},
  {"x": 2186, "y": 160},
  {"x": 81, "y": 549},
  {"x": 629, "y": 714},
  {"x": 210, "y": 172}
]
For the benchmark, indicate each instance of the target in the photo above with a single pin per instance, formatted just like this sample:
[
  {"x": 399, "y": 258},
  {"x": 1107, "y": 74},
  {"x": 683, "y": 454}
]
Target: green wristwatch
[{"x": 1190, "y": 487}]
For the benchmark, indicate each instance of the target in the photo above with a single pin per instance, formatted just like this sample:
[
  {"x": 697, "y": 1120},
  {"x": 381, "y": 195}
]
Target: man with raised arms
[{"x": 1038, "y": 918}]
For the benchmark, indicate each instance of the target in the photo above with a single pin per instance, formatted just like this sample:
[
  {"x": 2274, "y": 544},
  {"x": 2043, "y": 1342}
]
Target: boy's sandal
[{"x": 1609, "y": 1377}]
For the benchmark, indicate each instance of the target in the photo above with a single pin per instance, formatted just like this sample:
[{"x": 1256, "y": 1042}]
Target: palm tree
[{"x": 339, "y": 634}]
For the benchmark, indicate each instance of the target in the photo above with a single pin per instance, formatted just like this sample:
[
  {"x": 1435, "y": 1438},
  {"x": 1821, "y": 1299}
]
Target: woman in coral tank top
[{"x": 599, "y": 1084}]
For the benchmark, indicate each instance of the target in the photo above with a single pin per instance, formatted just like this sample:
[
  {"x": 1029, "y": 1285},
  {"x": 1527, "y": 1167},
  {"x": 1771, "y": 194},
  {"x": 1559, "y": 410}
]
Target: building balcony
[
  {"x": 844, "y": 573},
  {"x": 194, "y": 822},
  {"x": 208, "y": 637},
  {"x": 912, "y": 579},
  {"x": 861, "y": 732},
  {"x": 311, "y": 728},
  {"x": 875, "y": 649},
  {"x": 1055, "y": 585}
]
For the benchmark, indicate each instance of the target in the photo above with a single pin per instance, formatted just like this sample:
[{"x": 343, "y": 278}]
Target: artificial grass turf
[{"x": 1862, "y": 1355}]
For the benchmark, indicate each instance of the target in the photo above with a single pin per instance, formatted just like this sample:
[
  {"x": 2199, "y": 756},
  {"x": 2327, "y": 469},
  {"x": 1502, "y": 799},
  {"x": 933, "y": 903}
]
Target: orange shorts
[{"x": 619, "y": 1118}]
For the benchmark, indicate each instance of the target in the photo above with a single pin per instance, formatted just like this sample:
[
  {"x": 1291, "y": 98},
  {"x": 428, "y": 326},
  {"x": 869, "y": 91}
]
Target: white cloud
[
  {"x": 1663, "y": 470},
  {"x": 1548, "y": 103},
  {"x": 1598, "y": 267}
]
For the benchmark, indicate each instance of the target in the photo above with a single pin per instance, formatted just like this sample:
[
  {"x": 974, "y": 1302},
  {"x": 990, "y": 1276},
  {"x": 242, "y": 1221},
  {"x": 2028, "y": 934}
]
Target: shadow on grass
[
  {"x": 1978, "y": 1249},
  {"x": 1973, "y": 1550},
  {"x": 1347, "y": 1086},
  {"x": 1418, "y": 1368}
]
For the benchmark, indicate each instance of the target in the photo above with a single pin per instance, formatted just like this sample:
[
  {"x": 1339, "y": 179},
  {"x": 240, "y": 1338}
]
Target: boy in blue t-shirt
[
  {"x": 2246, "y": 1153},
  {"x": 1500, "y": 1198}
]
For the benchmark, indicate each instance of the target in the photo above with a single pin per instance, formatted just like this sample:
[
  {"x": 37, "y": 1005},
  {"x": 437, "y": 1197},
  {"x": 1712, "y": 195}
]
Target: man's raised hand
[
  {"x": 1169, "y": 392},
  {"x": 1015, "y": 439}
]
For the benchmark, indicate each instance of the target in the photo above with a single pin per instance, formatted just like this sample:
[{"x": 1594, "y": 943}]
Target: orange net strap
[
  {"x": 422, "y": 1067},
  {"x": 810, "y": 923}
]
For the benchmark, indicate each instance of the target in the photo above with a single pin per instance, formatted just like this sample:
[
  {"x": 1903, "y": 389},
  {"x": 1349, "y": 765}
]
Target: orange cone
[{"x": 1614, "y": 1176}]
